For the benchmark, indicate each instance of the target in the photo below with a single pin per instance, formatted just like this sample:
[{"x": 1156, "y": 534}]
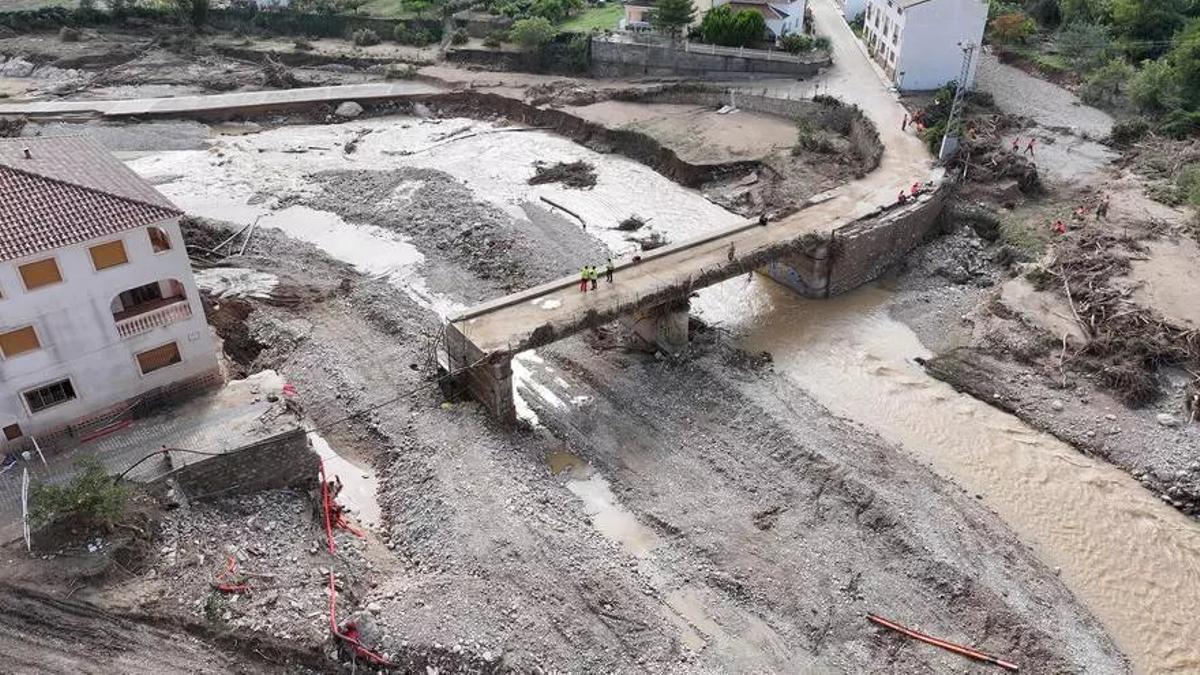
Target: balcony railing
[{"x": 179, "y": 310}]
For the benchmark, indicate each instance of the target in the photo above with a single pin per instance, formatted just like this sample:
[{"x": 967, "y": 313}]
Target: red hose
[
  {"x": 360, "y": 649},
  {"x": 948, "y": 646}
]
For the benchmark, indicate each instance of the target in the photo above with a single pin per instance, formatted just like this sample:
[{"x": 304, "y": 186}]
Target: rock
[
  {"x": 16, "y": 67},
  {"x": 374, "y": 608},
  {"x": 1167, "y": 420},
  {"x": 1110, "y": 417},
  {"x": 349, "y": 109},
  {"x": 1056, "y": 404}
]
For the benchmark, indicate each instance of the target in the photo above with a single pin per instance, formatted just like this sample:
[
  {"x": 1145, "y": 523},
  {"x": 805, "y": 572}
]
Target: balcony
[{"x": 145, "y": 308}]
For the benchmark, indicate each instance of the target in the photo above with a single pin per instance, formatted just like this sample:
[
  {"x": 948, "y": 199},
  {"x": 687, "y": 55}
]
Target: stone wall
[
  {"x": 867, "y": 247},
  {"x": 281, "y": 461},
  {"x": 624, "y": 59}
]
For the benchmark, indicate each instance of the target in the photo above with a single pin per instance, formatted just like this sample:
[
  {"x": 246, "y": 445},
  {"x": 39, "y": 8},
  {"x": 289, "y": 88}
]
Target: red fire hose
[{"x": 948, "y": 646}]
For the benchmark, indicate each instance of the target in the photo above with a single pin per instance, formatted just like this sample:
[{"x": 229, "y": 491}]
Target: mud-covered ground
[{"x": 767, "y": 526}]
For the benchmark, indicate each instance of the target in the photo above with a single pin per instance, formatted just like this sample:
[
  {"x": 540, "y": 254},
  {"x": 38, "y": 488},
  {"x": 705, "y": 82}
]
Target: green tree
[
  {"x": 723, "y": 26},
  {"x": 1156, "y": 87},
  {"x": 90, "y": 499},
  {"x": 1091, "y": 11},
  {"x": 194, "y": 11},
  {"x": 1185, "y": 58},
  {"x": 1011, "y": 28},
  {"x": 532, "y": 33},
  {"x": 672, "y": 16},
  {"x": 1148, "y": 24},
  {"x": 1086, "y": 45},
  {"x": 1046, "y": 12},
  {"x": 1107, "y": 83}
]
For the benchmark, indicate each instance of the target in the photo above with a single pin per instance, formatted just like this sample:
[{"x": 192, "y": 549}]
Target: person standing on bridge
[
  {"x": 593, "y": 275},
  {"x": 608, "y": 270},
  {"x": 583, "y": 279}
]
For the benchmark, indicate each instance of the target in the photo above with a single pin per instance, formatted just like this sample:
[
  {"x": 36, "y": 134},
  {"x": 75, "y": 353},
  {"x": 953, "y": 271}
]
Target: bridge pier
[
  {"x": 489, "y": 380},
  {"x": 805, "y": 272},
  {"x": 664, "y": 327}
]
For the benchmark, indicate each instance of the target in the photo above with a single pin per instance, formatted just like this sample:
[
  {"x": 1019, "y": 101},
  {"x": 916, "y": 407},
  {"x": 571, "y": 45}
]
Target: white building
[
  {"x": 919, "y": 43},
  {"x": 852, "y": 8},
  {"x": 98, "y": 307}
]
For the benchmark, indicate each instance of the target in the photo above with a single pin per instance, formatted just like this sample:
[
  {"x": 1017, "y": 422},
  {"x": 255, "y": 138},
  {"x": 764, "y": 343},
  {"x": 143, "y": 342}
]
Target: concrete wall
[
  {"x": 623, "y": 59},
  {"x": 489, "y": 382},
  {"x": 281, "y": 461},
  {"x": 74, "y": 323}
]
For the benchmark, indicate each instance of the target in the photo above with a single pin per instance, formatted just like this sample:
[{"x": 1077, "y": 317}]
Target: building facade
[
  {"x": 920, "y": 43},
  {"x": 98, "y": 306}
]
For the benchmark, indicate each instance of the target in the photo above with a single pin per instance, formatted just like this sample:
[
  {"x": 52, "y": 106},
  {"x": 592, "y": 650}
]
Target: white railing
[
  {"x": 165, "y": 315},
  {"x": 741, "y": 52}
]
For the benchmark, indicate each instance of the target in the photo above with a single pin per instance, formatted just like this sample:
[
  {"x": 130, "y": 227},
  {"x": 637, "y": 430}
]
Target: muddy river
[{"x": 1134, "y": 561}]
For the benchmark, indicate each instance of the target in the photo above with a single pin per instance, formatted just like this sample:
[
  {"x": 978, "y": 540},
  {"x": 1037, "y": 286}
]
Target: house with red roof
[{"x": 98, "y": 306}]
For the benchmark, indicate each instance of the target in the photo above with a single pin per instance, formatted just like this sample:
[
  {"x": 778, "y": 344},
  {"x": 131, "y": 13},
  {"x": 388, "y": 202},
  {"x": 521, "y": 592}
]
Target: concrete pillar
[
  {"x": 806, "y": 272},
  {"x": 664, "y": 327},
  {"x": 489, "y": 380}
]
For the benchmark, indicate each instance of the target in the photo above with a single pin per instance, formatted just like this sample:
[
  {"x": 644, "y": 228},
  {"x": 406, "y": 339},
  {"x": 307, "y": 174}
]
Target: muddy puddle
[
  {"x": 1134, "y": 561},
  {"x": 359, "y": 484}
]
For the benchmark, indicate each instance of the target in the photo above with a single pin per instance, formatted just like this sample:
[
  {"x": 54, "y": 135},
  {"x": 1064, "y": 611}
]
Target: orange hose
[{"x": 948, "y": 646}]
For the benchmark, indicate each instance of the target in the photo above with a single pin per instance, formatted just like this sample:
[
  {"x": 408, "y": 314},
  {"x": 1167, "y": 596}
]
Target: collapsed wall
[{"x": 285, "y": 460}]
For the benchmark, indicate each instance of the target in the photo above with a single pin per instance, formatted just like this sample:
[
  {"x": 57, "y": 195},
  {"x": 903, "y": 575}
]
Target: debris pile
[
  {"x": 1128, "y": 343},
  {"x": 577, "y": 175}
]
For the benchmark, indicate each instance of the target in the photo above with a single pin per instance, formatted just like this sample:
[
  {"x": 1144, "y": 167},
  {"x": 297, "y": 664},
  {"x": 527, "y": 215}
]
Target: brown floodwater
[{"x": 1131, "y": 559}]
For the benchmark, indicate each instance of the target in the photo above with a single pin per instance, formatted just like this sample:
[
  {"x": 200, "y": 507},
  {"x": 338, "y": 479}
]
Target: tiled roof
[{"x": 69, "y": 190}]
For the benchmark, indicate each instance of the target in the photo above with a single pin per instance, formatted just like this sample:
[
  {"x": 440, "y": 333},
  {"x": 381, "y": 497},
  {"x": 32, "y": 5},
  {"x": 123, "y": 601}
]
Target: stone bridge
[{"x": 825, "y": 249}]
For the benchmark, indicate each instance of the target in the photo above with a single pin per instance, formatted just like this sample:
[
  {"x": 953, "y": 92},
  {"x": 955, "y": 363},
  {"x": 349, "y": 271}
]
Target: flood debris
[
  {"x": 632, "y": 223},
  {"x": 11, "y": 127},
  {"x": 579, "y": 175},
  {"x": 649, "y": 241}
]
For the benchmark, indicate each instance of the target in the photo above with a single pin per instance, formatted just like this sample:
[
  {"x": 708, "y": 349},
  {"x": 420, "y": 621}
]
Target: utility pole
[{"x": 950, "y": 139}]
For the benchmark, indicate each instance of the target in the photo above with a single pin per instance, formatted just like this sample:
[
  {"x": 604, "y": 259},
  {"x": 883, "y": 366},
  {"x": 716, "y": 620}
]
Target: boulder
[{"x": 349, "y": 109}]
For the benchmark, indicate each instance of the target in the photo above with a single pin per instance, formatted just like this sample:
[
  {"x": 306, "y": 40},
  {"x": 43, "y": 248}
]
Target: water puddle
[
  {"x": 612, "y": 519},
  {"x": 1132, "y": 560},
  {"x": 360, "y": 484}
]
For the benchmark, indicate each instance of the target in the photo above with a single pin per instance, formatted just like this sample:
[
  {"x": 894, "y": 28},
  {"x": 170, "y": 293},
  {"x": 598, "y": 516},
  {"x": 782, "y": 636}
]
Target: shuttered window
[
  {"x": 159, "y": 240},
  {"x": 40, "y": 273},
  {"x": 108, "y": 255},
  {"x": 18, "y": 341},
  {"x": 159, "y": 357},
  {"x": 12, "y": 432}
]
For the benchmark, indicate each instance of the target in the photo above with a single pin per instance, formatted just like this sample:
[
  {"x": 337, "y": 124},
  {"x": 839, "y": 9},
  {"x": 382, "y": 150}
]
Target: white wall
[
  {"x": 930, "y": 55},
  {"x": 78, "y": 336},
  {"x": 852, "y": 8}
]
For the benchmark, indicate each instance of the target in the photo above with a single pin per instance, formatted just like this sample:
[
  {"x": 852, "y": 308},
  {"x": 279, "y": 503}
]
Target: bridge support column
[
  {"x": 664, "y": 327},
  {"x": 489, "y": 380},
  {"x": 806, "y": 272}
]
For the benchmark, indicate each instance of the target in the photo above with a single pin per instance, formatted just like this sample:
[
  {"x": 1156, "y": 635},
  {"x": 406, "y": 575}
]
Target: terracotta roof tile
[{"x": 70, "y": 190}]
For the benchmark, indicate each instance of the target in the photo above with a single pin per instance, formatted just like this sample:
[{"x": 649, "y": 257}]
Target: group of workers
[
  {"x": 912, "y": 193},
  {"x": 1080, "y": 215},
  {"x": 590, "y": 274}
]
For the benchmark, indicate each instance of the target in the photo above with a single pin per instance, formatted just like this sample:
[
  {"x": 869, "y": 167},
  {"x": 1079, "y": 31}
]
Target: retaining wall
[
  {"x": 623, "y": 59},
  {"x": 281, "y": 461}
]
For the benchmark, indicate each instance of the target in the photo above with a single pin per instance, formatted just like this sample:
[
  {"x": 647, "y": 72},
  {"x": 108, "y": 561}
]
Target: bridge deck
[{"x": 507, "y": 324}]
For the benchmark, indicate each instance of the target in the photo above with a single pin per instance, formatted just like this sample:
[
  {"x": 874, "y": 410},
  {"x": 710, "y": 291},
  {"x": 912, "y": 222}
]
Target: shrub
[
  {"x": 531, "y": 33},
  {"x": 796, "y": 43},
  {"x": 723, "y": 26},
  {"x": 1188, "y": 182},
  {"x": 1180, "y": 123},
  {"x": 1129, "y": 131},
  {"x": 364, "y": 37},
  {"x": 459, "y": 37},
  {"x": 90, "y": 499},
  {"x": 1106, "y": 84},
  {"x": 823, "y": 43},
  {"x": 1086, "y": 45},
  {"x": 494, "y": 39},
  {"x": 1156, "y": 87},
  {"x": 1011, "y": 28}
]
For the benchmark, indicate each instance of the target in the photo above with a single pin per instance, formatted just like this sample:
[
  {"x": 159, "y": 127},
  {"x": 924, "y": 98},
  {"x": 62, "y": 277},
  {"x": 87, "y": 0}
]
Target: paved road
[
  {"x": 219, "y": 102},
  {"x": 505, "y": 324}
]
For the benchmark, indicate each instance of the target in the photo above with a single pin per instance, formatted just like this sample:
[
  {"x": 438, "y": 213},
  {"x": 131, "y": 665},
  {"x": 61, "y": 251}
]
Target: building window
[
  {"x": 108, "y": 255},
  {"x": 40, "y": 273},
  {"x": 159, "y": 240},
  {"x": 49, "y": 396},
  {"x": 18, "y": 341},
  {"x": 159, "y": 357},
  {"x": 12, "y": 432}
]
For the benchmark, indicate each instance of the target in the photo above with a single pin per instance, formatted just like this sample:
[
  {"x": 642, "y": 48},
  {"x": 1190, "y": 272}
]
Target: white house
[
  {"x": 919, "y": 43},
  {"x": 97, "y": 302},
  {"x": 782, "y": 17},
  {"x": 852, "y": 8}
]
